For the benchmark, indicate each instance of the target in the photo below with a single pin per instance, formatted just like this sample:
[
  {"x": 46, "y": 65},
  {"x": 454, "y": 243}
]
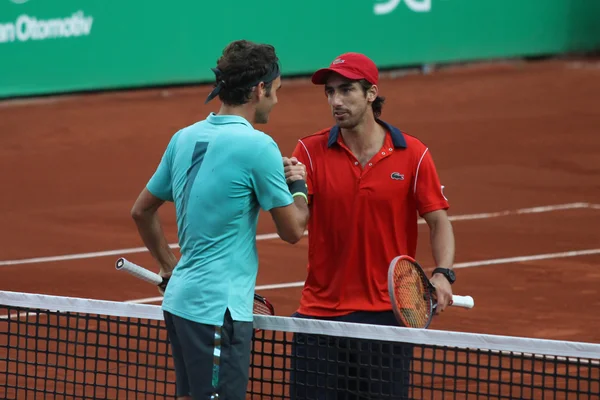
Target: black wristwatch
[{"x": 448, "y": 273}]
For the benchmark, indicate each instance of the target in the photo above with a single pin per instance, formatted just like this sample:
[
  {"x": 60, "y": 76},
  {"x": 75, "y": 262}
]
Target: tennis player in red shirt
[{"x": 367, "y": 182}]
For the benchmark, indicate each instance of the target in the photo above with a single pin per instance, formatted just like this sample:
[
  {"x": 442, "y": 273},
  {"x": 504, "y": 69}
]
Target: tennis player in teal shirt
[{"x": 219, "y": 173}]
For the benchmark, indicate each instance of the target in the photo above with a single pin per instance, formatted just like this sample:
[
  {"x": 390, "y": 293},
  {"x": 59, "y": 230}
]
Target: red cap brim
[{"x": 320, "y": 77}]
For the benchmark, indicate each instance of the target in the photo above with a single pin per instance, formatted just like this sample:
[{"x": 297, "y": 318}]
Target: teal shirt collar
[{"x": 227, "y": 119}]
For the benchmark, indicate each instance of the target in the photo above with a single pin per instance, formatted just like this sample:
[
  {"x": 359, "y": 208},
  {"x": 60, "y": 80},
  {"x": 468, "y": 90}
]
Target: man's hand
[
  {"x": 443, "y": 292},
  {"x": 161, "y": 288},
  {"x": 294, "y": 169}
]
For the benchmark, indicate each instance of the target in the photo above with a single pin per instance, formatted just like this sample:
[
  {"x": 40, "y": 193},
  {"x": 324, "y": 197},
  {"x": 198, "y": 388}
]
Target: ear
[
  {"x": 372, "y": 93},
  {"x": 260, "y": 91}
]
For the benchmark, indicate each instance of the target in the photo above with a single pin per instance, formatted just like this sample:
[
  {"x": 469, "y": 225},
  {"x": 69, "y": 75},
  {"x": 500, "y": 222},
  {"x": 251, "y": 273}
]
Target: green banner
[{"x": 71, "y": 45}]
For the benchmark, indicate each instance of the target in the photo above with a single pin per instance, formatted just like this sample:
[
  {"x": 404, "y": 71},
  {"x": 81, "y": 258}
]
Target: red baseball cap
[{"x": 350, "y": 65}]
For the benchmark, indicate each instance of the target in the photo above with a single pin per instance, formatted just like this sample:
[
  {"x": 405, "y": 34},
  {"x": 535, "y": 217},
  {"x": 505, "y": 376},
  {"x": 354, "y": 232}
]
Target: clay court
[{"x": 516, "y": 145}]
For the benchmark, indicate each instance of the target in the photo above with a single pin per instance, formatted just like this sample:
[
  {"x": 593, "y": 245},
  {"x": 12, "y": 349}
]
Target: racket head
[
  {"x": 411, "y": 293},
  {"x": 262, "y": 306}
]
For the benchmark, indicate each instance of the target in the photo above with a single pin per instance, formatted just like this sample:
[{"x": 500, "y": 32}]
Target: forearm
[
  {"x": 302, "y": 212},
  {"x": 299, "y": 191},
  {"x": 442, "y": 243},
  {"x": 151, "y": 232}
]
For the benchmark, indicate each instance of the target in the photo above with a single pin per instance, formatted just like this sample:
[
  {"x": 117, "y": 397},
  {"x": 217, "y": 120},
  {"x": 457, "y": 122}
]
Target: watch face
[
  {"x": 447, "y": 272},
  {"x": 451, "y": 275}
]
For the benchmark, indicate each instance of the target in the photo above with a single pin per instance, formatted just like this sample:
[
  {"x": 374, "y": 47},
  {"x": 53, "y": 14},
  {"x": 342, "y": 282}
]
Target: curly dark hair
[
  {"x": 241, "y": 67},
  {"x": 377, "y": 105}
]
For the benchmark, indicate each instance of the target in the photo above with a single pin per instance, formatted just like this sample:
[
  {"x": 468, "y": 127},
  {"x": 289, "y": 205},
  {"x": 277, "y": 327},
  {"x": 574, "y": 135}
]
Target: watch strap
[{"x": 448, "y": 273}]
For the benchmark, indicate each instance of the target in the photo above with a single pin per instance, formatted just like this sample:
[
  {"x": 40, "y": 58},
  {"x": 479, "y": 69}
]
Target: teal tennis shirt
[{"x": 219, "y": 173}]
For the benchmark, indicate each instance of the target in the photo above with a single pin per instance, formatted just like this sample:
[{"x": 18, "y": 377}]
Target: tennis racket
[
  {"x": 261, "y": 305},
  {"x": 413, "y": 295}
]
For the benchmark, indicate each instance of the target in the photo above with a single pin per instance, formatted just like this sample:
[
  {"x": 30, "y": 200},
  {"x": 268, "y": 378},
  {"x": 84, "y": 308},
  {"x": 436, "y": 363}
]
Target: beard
[
  {"x": 261, "y": 116},
  {"x": 350, "y": 120}
]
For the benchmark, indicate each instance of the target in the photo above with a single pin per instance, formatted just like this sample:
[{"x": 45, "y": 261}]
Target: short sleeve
[
  {"x": 268, "y": 179},
  {"x": 428, "y": 190},
  {"x": 301, "y": 153},
  {"x": 161, "y": 183}
]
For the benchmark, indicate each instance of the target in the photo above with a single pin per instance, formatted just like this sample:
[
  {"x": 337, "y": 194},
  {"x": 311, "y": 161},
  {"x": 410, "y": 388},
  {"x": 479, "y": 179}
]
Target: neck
[
  {"x": 366, "y": 135},
  {"x": 246, "y": 111}
]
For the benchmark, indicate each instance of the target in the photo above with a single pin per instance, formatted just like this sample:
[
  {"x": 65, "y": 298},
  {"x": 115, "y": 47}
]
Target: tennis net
[{"x": 71, "y": 348}]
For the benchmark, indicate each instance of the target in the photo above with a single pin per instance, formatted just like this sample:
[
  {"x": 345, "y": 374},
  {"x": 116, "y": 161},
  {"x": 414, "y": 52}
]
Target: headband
[{"x": 271, "y": 75}]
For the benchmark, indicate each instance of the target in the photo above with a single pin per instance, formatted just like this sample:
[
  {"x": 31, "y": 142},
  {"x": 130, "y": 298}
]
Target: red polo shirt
[{"x": 361, "y": 218}]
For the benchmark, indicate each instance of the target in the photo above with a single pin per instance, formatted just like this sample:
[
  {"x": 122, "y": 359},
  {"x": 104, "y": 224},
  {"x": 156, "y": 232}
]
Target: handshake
[
  {"x": 295, "y": 176},
  {"x": 294, "y": 170}
]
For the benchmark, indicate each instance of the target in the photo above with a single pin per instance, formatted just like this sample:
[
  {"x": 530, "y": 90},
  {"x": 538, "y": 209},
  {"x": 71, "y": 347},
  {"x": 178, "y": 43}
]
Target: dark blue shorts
[
  {"x": 194, "y": 345},
  {"x": 337, "y": 368}
]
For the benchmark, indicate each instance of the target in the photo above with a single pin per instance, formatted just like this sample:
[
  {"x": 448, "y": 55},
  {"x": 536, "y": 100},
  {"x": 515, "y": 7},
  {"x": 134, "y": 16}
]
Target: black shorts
[
  {"x": 210, "y": 359},
  {"x": 338, "y": 368}
]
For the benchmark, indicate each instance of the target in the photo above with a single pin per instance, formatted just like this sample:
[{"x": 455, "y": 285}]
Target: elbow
[
  {"x": 137, "y": 214},
  {"x": 145, "y": 207},
  {"x": 294, "y": 236}
]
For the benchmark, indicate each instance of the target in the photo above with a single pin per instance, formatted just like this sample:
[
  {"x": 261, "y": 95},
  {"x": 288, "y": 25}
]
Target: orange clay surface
[{"x": 503, "y": 137}]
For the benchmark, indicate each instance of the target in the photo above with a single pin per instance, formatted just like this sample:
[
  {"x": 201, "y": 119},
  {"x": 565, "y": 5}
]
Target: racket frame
[
  {"x": 260, "y": 299},
  {"x": 426, "y": 283}
]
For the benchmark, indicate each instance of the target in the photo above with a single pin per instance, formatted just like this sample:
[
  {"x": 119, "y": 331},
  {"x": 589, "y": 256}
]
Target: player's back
[
  {"x": 212, "y": 187},
  {"x": 212, "y": 167}
]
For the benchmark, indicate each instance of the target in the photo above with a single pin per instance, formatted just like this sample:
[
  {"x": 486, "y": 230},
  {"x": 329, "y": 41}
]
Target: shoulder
[
  {"x": 413, "y": 143},
  {"x": 172, "y": 145},
  {"x": 314, "y": 140},
  {"x": 317, "y": 137},
  {"x": 262, "y": 141},
  {"x": 186, "y": 134},
  {"x": 264, "y": 153}
]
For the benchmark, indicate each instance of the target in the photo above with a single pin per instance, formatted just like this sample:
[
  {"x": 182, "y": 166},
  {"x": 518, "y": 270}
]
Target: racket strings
[
  {"x": 262, "y": 308},
  {"x": 412, "y": 298}
]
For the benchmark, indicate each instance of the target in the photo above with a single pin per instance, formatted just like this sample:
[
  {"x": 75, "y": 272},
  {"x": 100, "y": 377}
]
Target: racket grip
[
  {"x": 139, "y": 272},
  {"x": 463, "y": 301}
]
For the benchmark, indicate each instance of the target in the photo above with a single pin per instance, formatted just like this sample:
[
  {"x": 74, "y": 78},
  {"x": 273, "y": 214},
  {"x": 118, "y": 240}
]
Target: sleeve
[
  {"x": 301, "y": 153},
  {"x": 160, "y": 184},
  {"x": 428, "y": 190},
  {"x": 268, "y": 179}
]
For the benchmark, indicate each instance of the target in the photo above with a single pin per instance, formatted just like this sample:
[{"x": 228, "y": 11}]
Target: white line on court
[
  {"x": 520, "y": 211},
  {"x": 106, "y": 253},
  {"x": 471, "y": 264},
  {"x": 269, "y": 236},
  {"x": 510, "y": 260}
]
